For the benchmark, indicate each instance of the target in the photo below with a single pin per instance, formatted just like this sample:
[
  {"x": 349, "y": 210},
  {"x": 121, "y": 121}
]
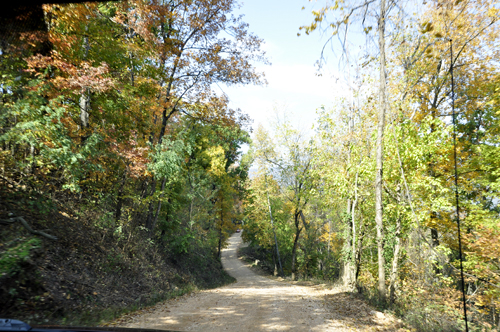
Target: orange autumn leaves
[{"x": 70, "y": 78}]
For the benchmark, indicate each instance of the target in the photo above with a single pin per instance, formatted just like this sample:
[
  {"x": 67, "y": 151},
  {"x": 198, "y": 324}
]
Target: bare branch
[{"x": 27, "y": 226}]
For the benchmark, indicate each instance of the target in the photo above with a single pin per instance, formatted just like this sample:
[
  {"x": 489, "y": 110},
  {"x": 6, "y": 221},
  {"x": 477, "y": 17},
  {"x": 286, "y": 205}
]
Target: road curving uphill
[{"x": 256, "y": 303}]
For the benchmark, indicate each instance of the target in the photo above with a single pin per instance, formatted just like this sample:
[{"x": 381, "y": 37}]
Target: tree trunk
[
  {"x": 85, "y": 97},
  {"x": 348, "y": 275},
  {"x": 119, "y": 200},
  {"x": 350, "y": 266},
  {"x": 347, "y": 271},
  {"x": 359, "y": 249},
  {"x": 395, "y": 262},
  {"x": 32, "y": 156},
  {"x": 298, "y": 229},
  {"x": 220, "y": 243},
  {"x": 155, "y": 219},
  {"x": 191, "y": 214},
  {"x": 275, "y": 264},
  {"x": 397, "y": 251},
  {"x": 433, "y": 214},
  {"x": 166, "y": 221},
  {"x": 435, "y": 242},
  {"x": 380, "y": 156},
  {"x": 329, "y": 237},
  {"x": 275, "y": 238},
  {"x": 220, "y": 229},
  {"x": 149, "y": 218},
  {"x": 84, "y": 109},
  {"x": 434, "y": 232}
]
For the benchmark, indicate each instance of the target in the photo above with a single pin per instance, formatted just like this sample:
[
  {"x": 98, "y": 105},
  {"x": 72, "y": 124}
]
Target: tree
[
  {"x": 346, "y": 14},
  {"x": 258, "y": 226},
  {"x": 193, "y": 53},
  {"x": 290, "y": 163},
  {"x": 94, "y": 111}
]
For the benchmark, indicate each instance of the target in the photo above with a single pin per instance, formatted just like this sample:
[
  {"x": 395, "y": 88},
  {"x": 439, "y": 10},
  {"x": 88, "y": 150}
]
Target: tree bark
[
  {"x": 348, "y": 275},
  {"x": 348, "y": 267},
  {"x": 298, "y": 229},
  {"x": 434, "y": 232},
  {"x": 220, "y": 228},
  {"x": 395, "y": 262},
  {"x": 85, "y": 97},
  {"x": 382, "y": 290},
  {"x": 84, "y": 110},
  {"x": 158, "y": 209},
  {"x": 433, "y": 214},
  {"x": 397, "y": 251},
  {"x": 347, "y": 272},
  {"x": 329, "y": 237},
  {"x": 351, "y": 265},
  {"x": 359, "y": 249}
]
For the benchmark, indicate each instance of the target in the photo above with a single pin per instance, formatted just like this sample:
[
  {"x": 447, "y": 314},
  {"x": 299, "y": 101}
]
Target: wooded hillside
[{"x": 121, "y": 169}]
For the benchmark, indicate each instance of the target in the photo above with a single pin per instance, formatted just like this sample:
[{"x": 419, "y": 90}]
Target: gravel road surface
[{"x": 257, "y": 303}]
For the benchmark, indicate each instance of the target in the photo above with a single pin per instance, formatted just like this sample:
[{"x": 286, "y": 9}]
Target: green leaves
[
  {"x": 15, "y": 255},
  {"x": 169, "y": 156}
]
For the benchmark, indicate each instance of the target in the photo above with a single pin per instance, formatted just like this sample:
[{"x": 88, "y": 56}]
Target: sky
[{"x": 293, "y": 86}]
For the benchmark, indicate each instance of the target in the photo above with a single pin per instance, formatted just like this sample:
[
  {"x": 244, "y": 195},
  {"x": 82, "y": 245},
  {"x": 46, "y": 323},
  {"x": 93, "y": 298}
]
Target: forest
[
  {"x": 114, "y": 142},
  {"x": 116, "y": 152},
  {"x": 395, "y": 193}
]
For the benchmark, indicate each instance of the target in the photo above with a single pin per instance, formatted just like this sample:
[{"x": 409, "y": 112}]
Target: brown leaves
[
  {"x": 92, "y": 78},
  {"x": 69, "y": 76},
  {"x": 485, "y": 241},
  {"x": 135, "y": 156}
]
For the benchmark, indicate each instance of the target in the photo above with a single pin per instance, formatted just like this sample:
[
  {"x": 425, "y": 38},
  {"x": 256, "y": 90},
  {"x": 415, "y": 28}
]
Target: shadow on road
[{"x": 256, "y": 303}]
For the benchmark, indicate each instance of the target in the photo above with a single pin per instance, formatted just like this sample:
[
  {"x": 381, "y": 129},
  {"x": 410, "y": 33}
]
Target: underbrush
[
  {"x": 16, "y": 253},
  {"x": 424, "y": 307},
  {"x": 257, "y": 257},
  {"x": 96, "y": 270}
]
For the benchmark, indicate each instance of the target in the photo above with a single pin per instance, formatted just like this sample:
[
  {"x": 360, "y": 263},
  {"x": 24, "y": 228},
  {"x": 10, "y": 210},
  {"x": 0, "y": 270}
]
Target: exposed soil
[
  {"x": 88, "y": 270},
  {"x": 258, "y": 303}
]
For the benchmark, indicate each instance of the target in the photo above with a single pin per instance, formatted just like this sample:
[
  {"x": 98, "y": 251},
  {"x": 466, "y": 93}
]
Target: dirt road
[{"x": 256, "y": 303}]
